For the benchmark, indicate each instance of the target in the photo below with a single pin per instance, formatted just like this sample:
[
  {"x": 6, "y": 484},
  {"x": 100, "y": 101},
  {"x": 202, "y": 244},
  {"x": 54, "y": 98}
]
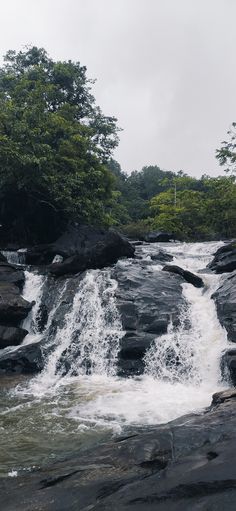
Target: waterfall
[
  {"x": 88, "y": 342},
  {"x": 15, "y": 256},
  {"x": 83, "y": 333}
]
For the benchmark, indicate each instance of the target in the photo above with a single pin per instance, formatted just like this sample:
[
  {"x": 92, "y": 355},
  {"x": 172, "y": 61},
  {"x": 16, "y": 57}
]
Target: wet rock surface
[
  {"x": 81, "y": 248},
  {"x": 180, "y": 465},
  {"x": 224, "y": 259},
  {"x": 225, "y": 299},
  {"x": 159, "y": 236},
  {"x": 188, "y": 276},
  {"x": 26, "y": 359},
  {"x": 11, "y": 336},
  {"x": 148, "y": 301}
]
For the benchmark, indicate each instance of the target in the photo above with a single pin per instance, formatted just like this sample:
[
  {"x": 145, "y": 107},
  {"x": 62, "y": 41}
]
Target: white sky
[{"x": 165, "y": 68}]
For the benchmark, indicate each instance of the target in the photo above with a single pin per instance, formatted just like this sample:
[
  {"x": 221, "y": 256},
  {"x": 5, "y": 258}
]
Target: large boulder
[
  {"x": 12, "y": 274},
  {"x": 224, "y": 259},
  {"x": 162, "y": 256},
  {"x": 159, "y": 236},
  {"x": 188, "y": 276},
  {"x": 228, "y": 366},
  {"x": 13, "y": 308},
  {"x": 11, "y": 336},
  {"x": 225, "y": 298},
  {"x": 81, "y": 248},
  {"x": 148, "y": 301},
  {"x": 26, "y": 359},
  {"x": 187, "y": 464}
]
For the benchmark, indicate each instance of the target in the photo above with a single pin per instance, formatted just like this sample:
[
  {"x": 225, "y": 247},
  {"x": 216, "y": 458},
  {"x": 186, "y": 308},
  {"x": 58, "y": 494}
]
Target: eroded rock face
[
  {"x": 225, "y": 259},
  {"x": 147, "y": 301},
  {"x": 188, "y": 276},
  {"x": 187, "y": 464},
  {"x": 225, "y": 298},
  {"x": 11, "y": 336},
  {"x": 26, "y": 359},
  {"x": 82, "y": 248},
  {"x": 13, "y": 308},
  {"x": 9, "y": 273}
]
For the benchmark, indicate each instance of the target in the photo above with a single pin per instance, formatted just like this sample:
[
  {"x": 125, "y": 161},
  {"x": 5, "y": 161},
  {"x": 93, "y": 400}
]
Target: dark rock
[
  {"x": 162, "y": 256},
  {"x": 26, "y": 359},
  {"x": 187, "y": 464},
  {"x": 3, "y": 258},
  {"x": 159, "y": 236},
  {"x": 147, "y": 301},
  {"x": 228, "y": 365},
  {"x": 10, "y": 273},
  {"x": 11, "y": 336},
  {"x": 134, "y": 346},
  {"x": 225, "y": 298},
  {"x": 187, "y": 275},
  {"x": 13, "y": 308},
  {"x": 225, "y": 395},
  {"x": 225, "y": 259},
  {"x": 82, "y": 248}
]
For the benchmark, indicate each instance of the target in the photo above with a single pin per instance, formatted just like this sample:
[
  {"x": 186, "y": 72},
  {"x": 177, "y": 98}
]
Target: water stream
[{"x": 78, "y": 399}]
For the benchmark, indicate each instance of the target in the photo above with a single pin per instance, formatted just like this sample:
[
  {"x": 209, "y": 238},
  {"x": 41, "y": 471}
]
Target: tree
[
  {"x": 54, "y": 145},
  {"x": 227, "y": 154}
]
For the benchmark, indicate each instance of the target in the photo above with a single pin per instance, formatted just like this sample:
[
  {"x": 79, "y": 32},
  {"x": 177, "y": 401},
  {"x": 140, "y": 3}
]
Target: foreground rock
[
  {"x": 225, "y": 298},
  {"x": 188, "y": 464},
  {"x": 11, "y": 336},
  {"x": 147, "y": 301},
  {"x": 13, "y": 308},
  {"x": 228, "y": 366},
  {"x": 26, "y": 359},
  {"x": 81, "y": 248},
  {"x": 159, "y": 237},
  {"x": 224, "y": 259},
  {"x": 9, "y": 273},
  {"x": 188, "y": 276}
]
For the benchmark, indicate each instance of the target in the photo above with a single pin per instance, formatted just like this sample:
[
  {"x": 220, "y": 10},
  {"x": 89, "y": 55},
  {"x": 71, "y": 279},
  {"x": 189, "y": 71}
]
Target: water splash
[
  {"x": 88, "y": 343},
  {"x": 15, "y": 256}
]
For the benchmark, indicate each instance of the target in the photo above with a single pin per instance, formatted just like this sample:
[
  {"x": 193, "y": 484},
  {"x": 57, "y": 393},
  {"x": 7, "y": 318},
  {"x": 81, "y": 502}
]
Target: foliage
[
  {"x": 54, "y": 143},
  {"x": 227, "y": 153}
]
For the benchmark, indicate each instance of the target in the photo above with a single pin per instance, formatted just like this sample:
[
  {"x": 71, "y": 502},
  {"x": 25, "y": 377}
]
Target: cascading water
[
  {"x": 88, "y": 343},
  {"x": 15, "y": 256},
  {"x": 78, "y": 395}
]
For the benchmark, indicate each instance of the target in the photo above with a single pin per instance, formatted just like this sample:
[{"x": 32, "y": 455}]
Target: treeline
[
  {"x": 56, "y": 164},
  {"x": 191, "y": 208}
]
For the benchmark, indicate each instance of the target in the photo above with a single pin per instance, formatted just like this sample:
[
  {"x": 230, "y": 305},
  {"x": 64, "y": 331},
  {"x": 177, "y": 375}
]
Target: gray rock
[
  {"x": 225, "y": 298},
  {"x": 13, "y": 308},
  {"x": 225, "y": 259},
  {"x": 147, "y": 301},
  {"x": 26, "y": 359},
  {"x": 11, "y": 336},
  {"x": 187, "y": 464},
  {"x": 188, "y": 276}
]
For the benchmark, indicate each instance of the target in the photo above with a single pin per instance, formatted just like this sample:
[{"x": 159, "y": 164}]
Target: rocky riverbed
[{"x": 106, "y": 402}]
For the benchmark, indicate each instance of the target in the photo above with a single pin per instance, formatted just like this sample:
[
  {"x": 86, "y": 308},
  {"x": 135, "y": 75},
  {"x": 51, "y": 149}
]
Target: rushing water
[{"x": 78, "y": 400}]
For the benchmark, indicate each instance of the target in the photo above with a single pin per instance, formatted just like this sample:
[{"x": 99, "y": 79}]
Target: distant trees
[
  {"x": 227, "y": 153},
  {"x": 54, "y": 143}
]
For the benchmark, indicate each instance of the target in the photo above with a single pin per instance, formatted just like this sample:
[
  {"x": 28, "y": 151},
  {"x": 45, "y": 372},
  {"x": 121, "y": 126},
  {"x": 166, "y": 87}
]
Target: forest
[{"x": 57, "y": 166}]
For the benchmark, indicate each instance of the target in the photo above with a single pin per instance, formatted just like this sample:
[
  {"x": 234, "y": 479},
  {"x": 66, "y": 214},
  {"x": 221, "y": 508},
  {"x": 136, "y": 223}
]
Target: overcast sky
[{"x": 165, "y": 68}]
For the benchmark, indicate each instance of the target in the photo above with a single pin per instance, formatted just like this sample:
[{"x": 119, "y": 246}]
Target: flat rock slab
[{"x": 187, "y": 464}]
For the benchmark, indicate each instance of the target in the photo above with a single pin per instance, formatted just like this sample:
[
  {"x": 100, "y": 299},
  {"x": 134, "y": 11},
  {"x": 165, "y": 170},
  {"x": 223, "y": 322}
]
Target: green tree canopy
[{"x": 54, "y": 143}]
